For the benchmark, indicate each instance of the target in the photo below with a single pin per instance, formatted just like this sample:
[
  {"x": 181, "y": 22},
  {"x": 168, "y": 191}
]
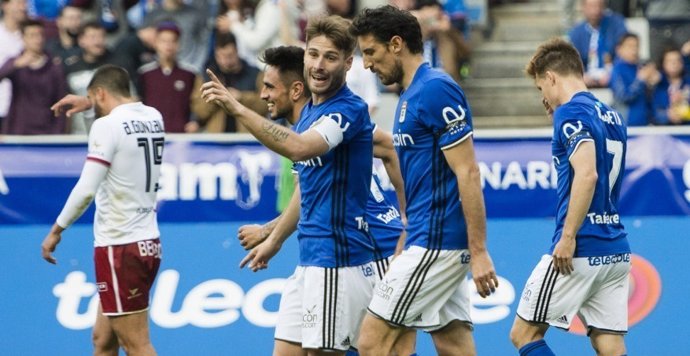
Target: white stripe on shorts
[{"x": 116, "y": 285}]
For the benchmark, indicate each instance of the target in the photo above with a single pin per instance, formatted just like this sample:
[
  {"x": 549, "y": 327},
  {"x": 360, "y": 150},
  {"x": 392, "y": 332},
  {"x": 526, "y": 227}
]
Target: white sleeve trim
[
  {"x": 330, "y": 131},
  {"x": 83, "y": 193},
  {"x": 578, "y": 146},
  {"x": 459, "y": 141}
]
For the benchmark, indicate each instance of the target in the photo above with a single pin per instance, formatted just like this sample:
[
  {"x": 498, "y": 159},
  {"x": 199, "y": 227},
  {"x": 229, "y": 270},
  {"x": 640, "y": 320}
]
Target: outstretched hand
[
  {"x": 257, "y": 259},
  {"x": 72, "y": 103}
]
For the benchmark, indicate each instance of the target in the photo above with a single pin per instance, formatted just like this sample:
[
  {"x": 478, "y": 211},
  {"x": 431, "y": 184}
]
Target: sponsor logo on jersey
[
  {"x": 402, "y": 139},
  {"x": 603, "y": 219},
  {"x": 389, "y": 215},
  {"x": 608, "y": 260},
  {"x": 403, "y": 111}
]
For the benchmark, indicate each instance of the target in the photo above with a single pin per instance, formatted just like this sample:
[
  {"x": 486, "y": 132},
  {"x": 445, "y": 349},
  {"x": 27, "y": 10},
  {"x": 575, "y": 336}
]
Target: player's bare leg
[
  {"x": 376, "y": 336},
  {"x": 285, "y": 348},
  {"x": 104, "y": 339},
  {"x": 406, "y": 343},
  {"x": 607, "y": 344},
  {"x": 133, "y": 332},
  {"x": 523, "y": 332},
  {"x": 455, "y": 339}
]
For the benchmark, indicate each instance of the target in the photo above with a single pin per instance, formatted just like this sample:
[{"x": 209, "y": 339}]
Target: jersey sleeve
[
  {"x": 446, "y": 113},
  {"x": 102, "y": 142},
  {"x": 571, "y": 130}
]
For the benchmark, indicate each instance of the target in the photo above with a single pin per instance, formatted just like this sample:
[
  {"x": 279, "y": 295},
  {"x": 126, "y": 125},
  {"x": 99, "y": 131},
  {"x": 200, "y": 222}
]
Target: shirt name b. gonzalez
[{"x": 136, "y": 126}]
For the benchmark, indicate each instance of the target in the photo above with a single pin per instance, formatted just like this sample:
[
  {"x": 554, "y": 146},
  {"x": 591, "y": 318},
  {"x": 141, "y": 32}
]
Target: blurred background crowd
[{"x": 49, "y": 48}]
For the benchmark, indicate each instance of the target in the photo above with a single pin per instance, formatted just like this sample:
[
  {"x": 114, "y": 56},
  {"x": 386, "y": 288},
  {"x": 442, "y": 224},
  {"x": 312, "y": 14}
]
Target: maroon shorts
[{"x": 125, "y": 274}]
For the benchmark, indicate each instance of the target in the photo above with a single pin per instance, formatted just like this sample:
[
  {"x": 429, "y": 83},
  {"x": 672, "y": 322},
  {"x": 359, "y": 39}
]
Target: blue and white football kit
[
  {"x": 597, "y": 289},
  {"x": 385, "y": 225},
  {"x": 425, "y": 287},
  {"x": 324, "y": 301}
]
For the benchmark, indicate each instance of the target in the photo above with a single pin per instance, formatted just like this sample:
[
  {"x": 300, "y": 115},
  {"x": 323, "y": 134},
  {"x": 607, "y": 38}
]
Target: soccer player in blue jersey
[
  {"x": 325, "y": 300},
  {"x": 286, "y": 92},
  {"x": 586, "y": 270},
  {"x": 425, "y": 286}
]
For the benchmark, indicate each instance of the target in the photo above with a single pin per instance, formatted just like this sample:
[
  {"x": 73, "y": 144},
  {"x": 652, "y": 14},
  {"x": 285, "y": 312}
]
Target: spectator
[
  {"x": 194, "y": 31},
  {"x": 65, "y": 47},
  {"x": 444, "y": 45},
  {"x": 94, "y": 54},
  {"x": 137, "y": 49},
  {"x": 13, "y": 13},
  {"x": 37, "y": 83},
  {"x": 669, "y": 24},
  {"x": 630, "y": 82},
  {"x": 595, "y": 39},
  {"x": 242, "y": 79},
  {"x": 167, "y": 85},
  {"x": 672, "y": 95},
  {"x": 256, "y": 33}
]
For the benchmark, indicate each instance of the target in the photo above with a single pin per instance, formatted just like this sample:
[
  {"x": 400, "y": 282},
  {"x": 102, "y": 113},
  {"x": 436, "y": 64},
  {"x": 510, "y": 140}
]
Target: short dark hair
[
  {"x": 111, "y": 78},
  {"x": 93, "y": 25},
  {"x": 385, "y": 22},
  {"x": 556, "y": 55},
  {"x": 335, "y": 28},
  {"x": 626, "y": 36},
  {"x": 30, "y": 23},
  {"x": 289, "y": 60},
  {"x": 224, "y": 39}
]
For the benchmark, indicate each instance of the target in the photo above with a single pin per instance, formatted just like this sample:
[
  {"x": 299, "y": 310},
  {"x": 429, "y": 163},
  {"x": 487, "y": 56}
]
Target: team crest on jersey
[
  {"x": 179, "y": 85},
  {"x": 403, "y": 111}
]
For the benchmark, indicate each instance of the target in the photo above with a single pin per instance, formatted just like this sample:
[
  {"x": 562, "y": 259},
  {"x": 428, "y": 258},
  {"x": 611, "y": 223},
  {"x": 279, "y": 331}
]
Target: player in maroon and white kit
[{"x": 121, "y": 172}]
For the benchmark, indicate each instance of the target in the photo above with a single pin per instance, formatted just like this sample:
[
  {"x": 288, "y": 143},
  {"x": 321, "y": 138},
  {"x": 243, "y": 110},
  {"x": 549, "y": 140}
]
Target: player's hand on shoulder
[
  {"x": 70, "y": 105},
  {"x": 483, "y": 273},
  {"x": 563, "y": 255},
  {"x": 251, "y": 235},
  {"x": 49, "y": 244}
]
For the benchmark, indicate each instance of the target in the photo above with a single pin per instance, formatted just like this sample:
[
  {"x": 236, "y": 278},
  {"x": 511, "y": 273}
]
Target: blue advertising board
[{"x": 236, "y": 181}]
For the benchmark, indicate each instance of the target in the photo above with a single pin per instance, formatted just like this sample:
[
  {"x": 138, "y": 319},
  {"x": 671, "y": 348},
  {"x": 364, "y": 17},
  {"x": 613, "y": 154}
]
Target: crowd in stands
[
  {"x": 50, "y": 48},
  {"x": 646, "y": 91}
]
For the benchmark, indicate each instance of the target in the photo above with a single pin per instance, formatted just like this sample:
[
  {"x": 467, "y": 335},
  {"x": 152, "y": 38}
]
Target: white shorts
[
  {"x": 597, "y": 290},
  {"x": 323, "y": 308},
  {"x": 424, "y": 289}
]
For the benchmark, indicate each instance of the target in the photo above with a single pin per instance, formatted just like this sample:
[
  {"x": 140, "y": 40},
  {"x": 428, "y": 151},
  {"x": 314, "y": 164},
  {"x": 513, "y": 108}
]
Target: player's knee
[
  {"x": 104, "y": 344},
  {"x": 608, "y": 344},
  {"x": 523, "y": 333}
]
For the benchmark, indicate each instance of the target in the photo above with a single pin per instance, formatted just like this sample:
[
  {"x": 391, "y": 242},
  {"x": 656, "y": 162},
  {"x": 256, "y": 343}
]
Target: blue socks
[{"x": 536, "y": 348}]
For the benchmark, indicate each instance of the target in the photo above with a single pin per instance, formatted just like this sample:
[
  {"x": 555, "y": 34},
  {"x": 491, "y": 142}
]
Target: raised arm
[
  {"x": 462, "y": 162},
  {"x": 298, "y": 147}
]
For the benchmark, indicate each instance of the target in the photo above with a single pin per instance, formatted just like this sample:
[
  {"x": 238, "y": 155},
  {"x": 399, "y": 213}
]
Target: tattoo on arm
[{"x": 279, "y": 133}]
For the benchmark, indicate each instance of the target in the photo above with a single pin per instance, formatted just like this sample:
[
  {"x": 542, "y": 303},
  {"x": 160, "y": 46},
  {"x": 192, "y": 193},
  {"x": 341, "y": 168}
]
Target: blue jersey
[
  {"x": 432, "y": 115},
  {"x": 384, "y": 221},
  {"x": 334, "y": 186},
  {"x": 584, "y": 118}
]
